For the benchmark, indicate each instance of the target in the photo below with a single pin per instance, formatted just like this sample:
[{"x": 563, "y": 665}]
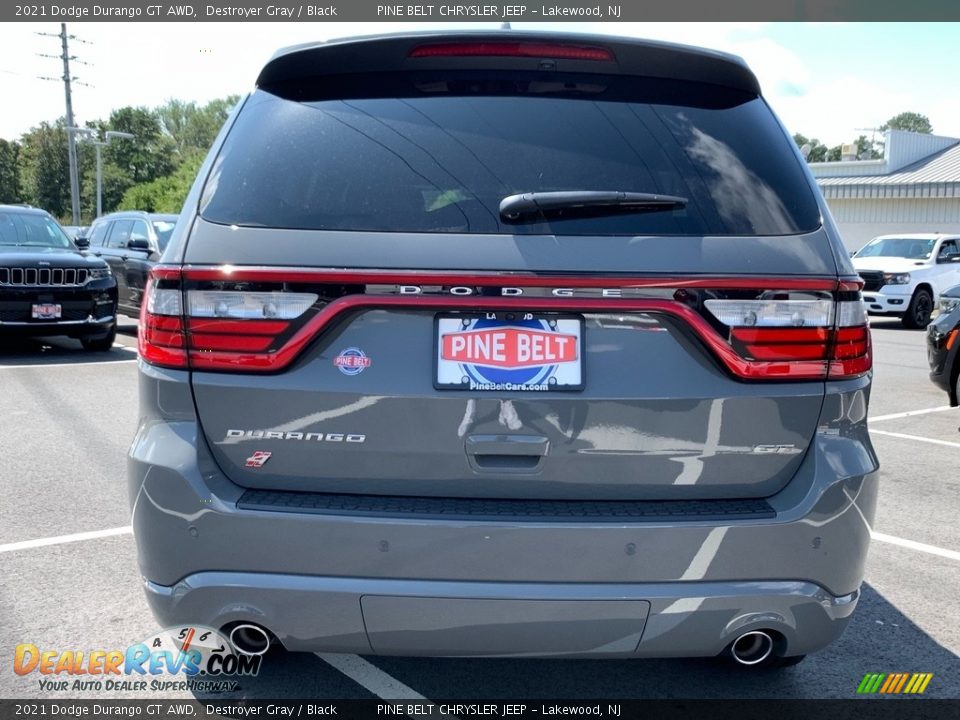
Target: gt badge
[{"x": 258, "y": 459}]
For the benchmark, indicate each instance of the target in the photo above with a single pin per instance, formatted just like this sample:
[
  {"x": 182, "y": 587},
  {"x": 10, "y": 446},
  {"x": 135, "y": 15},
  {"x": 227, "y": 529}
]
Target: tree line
[
  {"x": 867, "y": 148},
  {"x": 153, "y": 172}
]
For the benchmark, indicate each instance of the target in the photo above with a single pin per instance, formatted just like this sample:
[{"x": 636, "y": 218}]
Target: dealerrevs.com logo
[{"x": 194, "y": 658}]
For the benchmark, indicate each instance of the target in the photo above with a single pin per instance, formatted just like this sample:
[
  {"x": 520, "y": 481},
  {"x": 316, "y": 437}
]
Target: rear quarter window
[{"x": 427, "y": 155}]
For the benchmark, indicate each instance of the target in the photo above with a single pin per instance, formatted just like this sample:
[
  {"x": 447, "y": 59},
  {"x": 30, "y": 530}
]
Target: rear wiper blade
[{"x": 516, "y": 207}]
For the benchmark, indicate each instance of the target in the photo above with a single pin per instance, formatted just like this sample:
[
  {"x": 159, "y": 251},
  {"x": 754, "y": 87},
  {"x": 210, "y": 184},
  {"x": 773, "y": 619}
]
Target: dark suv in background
[
  {"x": 48, "y": 286},
  {"x": 505, "y": 343},
  {"x": 943, "y": 345},
  {"x": 131, "y": 242}
]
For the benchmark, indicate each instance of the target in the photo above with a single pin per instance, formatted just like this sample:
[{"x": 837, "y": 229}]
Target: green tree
[
  {"x": 10, "y": 186},
  {"x": 165, "y": 194},
  {"x": 148, "y": 155},
  {"x": 914, "y": 122},
  {"x": 192, "y": 127},
  {"x": 817, "y": 150},
  {"x": 116, "y": 181},
  {"x": 866, "y": 150},
  {"x": 45, "y": 168}
]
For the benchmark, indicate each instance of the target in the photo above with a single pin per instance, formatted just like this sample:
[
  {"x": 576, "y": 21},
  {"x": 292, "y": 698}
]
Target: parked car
[
  {"x": 131, "y": 242},
  {"x": 48, "y": 286},
  {"x": 904, "y": 275},
  {"x": 75, "y": 231},
  {"x": 505, "y": 343},
  {"x": 943, "y": 345}
]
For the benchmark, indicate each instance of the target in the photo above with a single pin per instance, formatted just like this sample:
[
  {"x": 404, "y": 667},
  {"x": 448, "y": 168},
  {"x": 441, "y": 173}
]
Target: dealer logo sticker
[{"x": 352, "y": 361}]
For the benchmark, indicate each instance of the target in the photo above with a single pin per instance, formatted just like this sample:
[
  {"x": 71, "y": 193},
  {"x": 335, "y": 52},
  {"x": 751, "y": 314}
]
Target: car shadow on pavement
[
  {"x": 879, "y": 639},
  {"x": 56, "y": 351},
  {"x": 887, "y": 323}
]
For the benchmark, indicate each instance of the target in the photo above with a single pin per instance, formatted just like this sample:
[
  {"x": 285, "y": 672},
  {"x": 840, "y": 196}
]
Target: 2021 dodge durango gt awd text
[
  {"x": 505, "y": 344},
  {"x": 48, "y": 287}
]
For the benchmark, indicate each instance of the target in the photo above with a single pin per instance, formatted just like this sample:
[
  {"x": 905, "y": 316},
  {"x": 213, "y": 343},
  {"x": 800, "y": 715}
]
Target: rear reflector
[
  {"x": 505, "y": 49},
  {"x": 248, "y": 305},
  {"x": 772, "y": 313}
]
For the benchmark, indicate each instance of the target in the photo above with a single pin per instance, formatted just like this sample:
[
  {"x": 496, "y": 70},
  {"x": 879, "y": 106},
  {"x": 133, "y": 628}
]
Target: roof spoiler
[{"x": 385, "y": 53}]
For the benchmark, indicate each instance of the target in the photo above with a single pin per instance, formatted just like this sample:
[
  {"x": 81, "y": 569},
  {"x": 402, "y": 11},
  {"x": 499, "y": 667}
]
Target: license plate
[
  {"x": 509, "y": 351},
  {"x": 46, "y": 311}
]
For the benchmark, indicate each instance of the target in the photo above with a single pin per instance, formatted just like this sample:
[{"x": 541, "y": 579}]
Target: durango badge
[{"x": 352, "y": 361}]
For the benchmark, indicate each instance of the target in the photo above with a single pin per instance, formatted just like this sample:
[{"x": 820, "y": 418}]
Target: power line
[{"x": 68, "y": 80}]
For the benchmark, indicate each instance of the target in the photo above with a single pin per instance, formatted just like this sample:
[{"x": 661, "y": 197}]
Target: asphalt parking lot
[{"x": 68, "y": 575}]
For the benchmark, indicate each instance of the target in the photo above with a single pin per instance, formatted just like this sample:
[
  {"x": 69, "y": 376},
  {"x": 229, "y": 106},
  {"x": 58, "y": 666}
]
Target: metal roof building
[{"x": 914, "y": 188}]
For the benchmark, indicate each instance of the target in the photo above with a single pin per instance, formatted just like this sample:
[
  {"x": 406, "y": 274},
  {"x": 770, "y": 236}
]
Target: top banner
[{"x": 555, "y": 11}]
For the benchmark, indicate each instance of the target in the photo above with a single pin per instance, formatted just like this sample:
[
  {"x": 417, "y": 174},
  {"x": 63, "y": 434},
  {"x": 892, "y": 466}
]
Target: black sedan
[
  {"x": 943, "y": 345},
  {"x": 48, "y": 286}
]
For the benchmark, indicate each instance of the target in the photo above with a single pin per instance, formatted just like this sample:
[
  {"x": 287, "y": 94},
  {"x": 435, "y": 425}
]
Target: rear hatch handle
[{"x": 506, "y": 453}]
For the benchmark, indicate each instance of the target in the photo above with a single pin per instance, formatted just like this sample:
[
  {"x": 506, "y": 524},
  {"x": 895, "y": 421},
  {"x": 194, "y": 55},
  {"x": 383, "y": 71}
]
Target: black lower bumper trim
[{"x": 587, "y": 511}]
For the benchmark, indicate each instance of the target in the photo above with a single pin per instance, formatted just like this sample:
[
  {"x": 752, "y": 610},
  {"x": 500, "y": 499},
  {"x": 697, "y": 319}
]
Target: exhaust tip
[
  {"x": 250, "y": 639},
  {"x": 752, "y": 648}
]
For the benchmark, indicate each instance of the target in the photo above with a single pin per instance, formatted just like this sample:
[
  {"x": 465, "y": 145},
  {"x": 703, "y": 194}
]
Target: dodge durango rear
[{"x": 504, "y": 343}]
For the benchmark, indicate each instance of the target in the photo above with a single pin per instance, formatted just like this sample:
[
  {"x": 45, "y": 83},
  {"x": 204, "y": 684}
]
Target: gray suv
[{"x": 505, "y": 344}]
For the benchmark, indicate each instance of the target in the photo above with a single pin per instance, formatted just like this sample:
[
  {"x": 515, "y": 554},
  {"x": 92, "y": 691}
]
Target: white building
[{"x": 914, "y": 188}]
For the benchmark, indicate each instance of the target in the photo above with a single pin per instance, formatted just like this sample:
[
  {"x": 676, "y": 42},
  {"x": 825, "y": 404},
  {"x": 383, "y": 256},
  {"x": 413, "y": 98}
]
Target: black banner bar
[
  {"x": 553, "y": 11},
  {"x": 213, "y": 709}
]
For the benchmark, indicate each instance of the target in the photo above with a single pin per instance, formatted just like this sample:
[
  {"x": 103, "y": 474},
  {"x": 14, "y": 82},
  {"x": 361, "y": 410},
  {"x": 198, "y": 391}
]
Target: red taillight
[
  {"x": 513, "y": 49},
  {"x": 852, "y": 350},
  {"x": 774, "y": 329},
  {"x": 782, "y": 343},
  {"x": 213, "y": 329},
  {"x": 160, "y": 338}
]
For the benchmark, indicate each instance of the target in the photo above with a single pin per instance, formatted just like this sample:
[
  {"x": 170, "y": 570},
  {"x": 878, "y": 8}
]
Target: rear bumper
[
  {"x": 395, "y": 583},
  {"x": 407, "y": 617},
  {"x": 91, "y": 327}
]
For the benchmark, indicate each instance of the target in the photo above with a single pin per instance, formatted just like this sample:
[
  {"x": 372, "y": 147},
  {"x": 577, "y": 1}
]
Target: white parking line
[
  {"x": 370, "y": 677},
  {"x": 914, "y": 545},
  {"x": 918, "y": 438},
  {"x": 911, "y": 413},
  {"x": 70, "y": 364},
  {"x": 61, "y": 539}
]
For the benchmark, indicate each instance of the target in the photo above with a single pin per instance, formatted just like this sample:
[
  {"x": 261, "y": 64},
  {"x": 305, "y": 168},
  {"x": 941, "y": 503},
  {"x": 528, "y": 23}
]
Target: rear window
[
  {"x": 438, "y": 154},
  {"x": 164, "y": 229}
]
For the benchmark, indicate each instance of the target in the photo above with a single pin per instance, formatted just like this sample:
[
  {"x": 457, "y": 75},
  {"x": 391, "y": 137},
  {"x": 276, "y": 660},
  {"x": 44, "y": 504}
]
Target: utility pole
[
  {"x": 68, "y": 79},
  {"x": 71, "y": 140},
  {"x": 108, "y": 136}
]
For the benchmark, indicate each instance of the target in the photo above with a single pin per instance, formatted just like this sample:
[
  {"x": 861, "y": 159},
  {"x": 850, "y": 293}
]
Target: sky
[{"x": 831, "y": 81}]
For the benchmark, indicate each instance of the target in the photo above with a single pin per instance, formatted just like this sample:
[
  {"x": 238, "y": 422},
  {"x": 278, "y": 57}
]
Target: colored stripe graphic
[
  {"x": 894, "y": 683},
  {"x": 903, "y": 681},
  {"x": 891, "y": 680}
]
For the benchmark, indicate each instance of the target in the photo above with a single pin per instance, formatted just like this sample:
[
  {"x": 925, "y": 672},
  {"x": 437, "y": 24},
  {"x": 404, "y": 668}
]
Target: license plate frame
[
  {"x": 561, "y": 336},
  {"x": 46, "y": 311}
]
